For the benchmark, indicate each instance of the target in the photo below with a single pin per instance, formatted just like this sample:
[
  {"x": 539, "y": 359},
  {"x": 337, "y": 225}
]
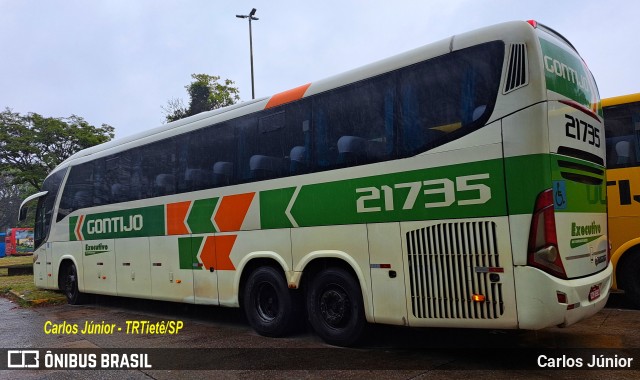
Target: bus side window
[
  {"x": 298, "y": 160},
  {"x": 164, "y": 184},
  {"x": 352, "y": 150},
  {"x": 623, "y": 152},
  {"x": 78, "y": 190},
  {"x": 222, "y": 173},
  {"x": 265, "y": 167},
  {"x": 354, "y": 125},
  {"x": 197, "y": 179}
]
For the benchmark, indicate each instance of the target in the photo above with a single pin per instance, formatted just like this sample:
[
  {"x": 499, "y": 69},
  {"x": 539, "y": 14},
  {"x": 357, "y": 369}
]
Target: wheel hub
[{"x": 334, "y": 307}]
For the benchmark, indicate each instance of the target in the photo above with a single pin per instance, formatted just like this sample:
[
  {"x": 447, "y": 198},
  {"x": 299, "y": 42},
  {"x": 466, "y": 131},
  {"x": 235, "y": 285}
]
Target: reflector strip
[
  {"x": 489, "y": 270},
  {"x": 381, "y": 266},
  {"x": 573, "y": 306}
]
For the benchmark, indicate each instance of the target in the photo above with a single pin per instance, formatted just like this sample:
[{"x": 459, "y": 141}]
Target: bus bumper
[{"x": 540, "y": 294}]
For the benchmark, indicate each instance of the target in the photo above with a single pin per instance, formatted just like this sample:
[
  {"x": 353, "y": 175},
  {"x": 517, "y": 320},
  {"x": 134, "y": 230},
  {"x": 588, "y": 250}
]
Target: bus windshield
[{"x": 46, "y": 203}]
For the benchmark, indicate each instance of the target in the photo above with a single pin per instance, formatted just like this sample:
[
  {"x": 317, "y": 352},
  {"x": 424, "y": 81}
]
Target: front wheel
[
  {"x": 335, "y": 307},
  {"x": 69, "y": 285},
  {"x": 268, "y": 303}
]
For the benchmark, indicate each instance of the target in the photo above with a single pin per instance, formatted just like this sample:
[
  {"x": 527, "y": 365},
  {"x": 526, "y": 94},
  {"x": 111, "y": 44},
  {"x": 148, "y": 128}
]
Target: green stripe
[
  {"x": 188, "y": 252},
  {"x": 527, "y": 176},
  {"x": 136, "y": 222},
  {"x": 426, "y": 194}
]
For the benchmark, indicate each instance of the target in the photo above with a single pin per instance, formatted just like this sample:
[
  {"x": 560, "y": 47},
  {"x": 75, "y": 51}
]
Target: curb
[{"x": 30, "y": 302}]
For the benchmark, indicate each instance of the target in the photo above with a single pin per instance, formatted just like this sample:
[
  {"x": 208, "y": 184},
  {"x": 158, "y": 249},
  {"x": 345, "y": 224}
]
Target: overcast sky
[{"x": 118, "y": 61}]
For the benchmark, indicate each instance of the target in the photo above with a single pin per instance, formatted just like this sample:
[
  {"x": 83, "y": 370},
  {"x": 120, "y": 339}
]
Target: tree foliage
[
  {"x": 206, "y": 93},
  {"x": 11, "y": 195},
  {"x": 32, "y": 145}
]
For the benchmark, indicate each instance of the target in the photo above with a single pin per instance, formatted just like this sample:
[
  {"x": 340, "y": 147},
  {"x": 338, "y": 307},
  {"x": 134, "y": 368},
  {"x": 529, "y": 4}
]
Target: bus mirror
[{"x": 23, "y": 214}]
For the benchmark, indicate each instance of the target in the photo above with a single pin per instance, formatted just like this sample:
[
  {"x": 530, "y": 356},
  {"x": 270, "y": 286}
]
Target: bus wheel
[
  {"x": 335, "y": 307},
  {"x": 268, "y": 303},
  {"x": 69, "y": 285},
  {"x": 632, "y": 279}
]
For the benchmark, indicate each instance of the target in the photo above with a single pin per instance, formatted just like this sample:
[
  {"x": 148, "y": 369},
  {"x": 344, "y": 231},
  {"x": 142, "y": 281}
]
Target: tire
[
  {"x": 69, "y": 285},
  {"x": 631, "y": 273},
  {"x": 269, "y": 305},
  {"x": 335, "y": 307}
]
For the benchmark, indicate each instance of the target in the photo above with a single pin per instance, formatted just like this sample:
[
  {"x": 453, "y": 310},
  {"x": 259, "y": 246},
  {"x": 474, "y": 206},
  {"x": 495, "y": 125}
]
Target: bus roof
[{"x": 623, "y": 99}]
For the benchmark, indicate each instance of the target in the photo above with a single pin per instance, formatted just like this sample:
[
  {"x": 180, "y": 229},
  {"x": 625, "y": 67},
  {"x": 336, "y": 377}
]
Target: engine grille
[{"x": 448, "y": 264}]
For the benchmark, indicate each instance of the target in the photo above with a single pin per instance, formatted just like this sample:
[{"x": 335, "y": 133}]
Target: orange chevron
[
  {"x": 232, "y": 211},
  {"x": 79, "y": 228},
  {"x": 208, "y": 253},
  {"x": 176, "y": 215},
  {"x": 224, "y": 245}
]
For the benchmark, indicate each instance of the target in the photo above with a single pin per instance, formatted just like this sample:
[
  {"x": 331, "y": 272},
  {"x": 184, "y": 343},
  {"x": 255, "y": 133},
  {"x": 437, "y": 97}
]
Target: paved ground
[{"x": 220, "y": 339}]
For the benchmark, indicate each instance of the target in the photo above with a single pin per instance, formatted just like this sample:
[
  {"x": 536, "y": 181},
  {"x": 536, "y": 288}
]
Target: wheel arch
[
  {"x": 65, "y": 261},
  {"x": 619, "y": 257},
  {"x": 319, "y": 260},
  {"x": 622, "y": 255},
  {"x": 254, "y": 261}
]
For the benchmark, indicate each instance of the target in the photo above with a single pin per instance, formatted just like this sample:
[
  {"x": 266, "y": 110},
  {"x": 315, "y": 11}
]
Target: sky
[{"x": 118, "y": 62}]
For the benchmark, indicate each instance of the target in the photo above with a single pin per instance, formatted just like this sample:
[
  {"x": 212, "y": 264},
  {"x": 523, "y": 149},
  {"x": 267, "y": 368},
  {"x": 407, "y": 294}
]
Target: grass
[
  {"x": 22, "y": 288},
  {"x": 14, "y": 260}
]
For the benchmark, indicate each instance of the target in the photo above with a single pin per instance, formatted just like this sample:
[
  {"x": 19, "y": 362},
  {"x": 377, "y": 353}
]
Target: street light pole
[{"x": 251, "y": 17}]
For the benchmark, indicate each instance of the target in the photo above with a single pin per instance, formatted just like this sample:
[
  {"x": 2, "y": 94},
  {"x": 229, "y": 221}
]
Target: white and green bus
[{"x": 460, "y": 184}]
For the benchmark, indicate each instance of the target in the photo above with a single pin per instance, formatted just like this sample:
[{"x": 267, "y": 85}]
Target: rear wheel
[
  {"x": 268, "y": 303},
  {"x": 335, "y": 307},
  {"x": 69, "y": 285}
]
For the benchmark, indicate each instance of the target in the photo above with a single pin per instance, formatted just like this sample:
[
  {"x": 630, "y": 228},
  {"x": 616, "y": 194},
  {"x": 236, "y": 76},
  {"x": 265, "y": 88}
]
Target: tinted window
[
  {"x": 622, "y": 128},
  {"x": 394, "y": 115},
  {"x": 447, "y": 97},
  {"x": 144, "y": 172},
  {"x": 354, "y": 124}
]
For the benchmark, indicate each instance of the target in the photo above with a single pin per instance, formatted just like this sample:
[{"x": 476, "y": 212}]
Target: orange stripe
[
  {"x": 176, "y": 215},
  {"x": 224, "y": 245},
  {"x": 232, "y": 211},
  {"x": 287, "y": 96},
  {"x": 79, "y": 228}
]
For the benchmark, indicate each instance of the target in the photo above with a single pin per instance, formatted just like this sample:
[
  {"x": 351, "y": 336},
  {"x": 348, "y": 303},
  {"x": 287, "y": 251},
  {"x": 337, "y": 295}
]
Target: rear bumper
[{"x": 537, "y": 299}]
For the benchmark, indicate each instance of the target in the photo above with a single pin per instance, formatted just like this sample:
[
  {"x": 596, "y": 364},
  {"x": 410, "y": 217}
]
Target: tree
[
  {"x": 32, "y": 145},
  {"x": 206, "y": 93},
  {"x": 10, "y": 198}
]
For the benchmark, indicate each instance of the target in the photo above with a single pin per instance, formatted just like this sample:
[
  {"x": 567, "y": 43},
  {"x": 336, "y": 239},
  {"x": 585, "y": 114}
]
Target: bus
[
  {"x": 460, "y": 184},
  {"x": 19, "y": 241},
  {"x": 622, "y": 125}
]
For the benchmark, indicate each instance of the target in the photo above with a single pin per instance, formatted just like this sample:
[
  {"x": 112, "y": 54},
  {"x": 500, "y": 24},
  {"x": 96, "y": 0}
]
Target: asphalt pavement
[{"x": 189, "y": 341}]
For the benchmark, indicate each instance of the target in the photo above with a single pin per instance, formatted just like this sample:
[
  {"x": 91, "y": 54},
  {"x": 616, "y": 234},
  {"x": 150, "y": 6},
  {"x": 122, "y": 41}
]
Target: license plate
[{"x": 594, "y": 293}]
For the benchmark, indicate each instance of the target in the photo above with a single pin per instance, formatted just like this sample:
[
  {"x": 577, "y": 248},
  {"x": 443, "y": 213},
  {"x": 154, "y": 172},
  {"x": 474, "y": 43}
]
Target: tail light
[{"x": 543, "y": 241}]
